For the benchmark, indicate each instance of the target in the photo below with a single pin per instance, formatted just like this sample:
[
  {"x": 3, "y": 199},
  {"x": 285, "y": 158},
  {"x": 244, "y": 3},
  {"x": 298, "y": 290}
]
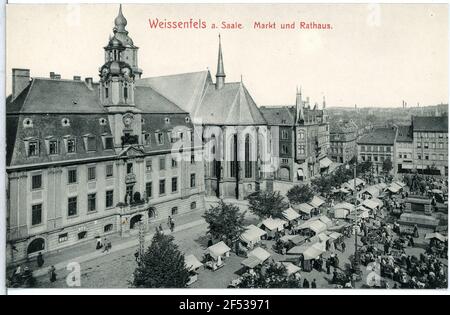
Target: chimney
[
  {"x": 76, "y": 78},
  {"x": 52, "y": 75},
  {"x": 20, "y": 80},
  {"x": 57, "y": 76},
  {"x": 88, "y": 82}
]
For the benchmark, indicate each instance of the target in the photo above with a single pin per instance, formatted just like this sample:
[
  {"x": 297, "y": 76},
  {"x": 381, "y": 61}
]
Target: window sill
[
  {"x": 109, "y": 208},
  {"x": 92, "y": 212},
  {"x": 73, "y": 216}
]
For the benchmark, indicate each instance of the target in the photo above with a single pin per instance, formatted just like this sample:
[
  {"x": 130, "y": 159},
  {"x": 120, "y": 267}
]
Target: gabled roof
[
  {"x": 279, "y": 115},
  {"x": 185, "y": 89},
  {"x": 229, "y": 105},
  {"x": 379, "y": 136},
  {"x": 150, "y": 101},
  {"x": 56, "y": 96},
  {"x": 437, "y": 124}
]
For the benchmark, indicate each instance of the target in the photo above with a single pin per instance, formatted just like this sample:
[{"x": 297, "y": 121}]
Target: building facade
[
  {"x": 300, "y": 140},
  {"x": 405, "y": 150},
  {"x": 378, "y": 146},
  {"x": 343, "y": 136},
  {"x": 88, "y": 159},
  {"x": 430, "y": 144}
]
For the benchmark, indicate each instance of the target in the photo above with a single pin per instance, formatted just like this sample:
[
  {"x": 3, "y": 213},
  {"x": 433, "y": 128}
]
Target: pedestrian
[
  {"x": 99, "y": 243},
  {"x": 328, "y": 265},
  {"x": 306, "y": 284},
  {"x": 172, "y": 226},
  {"x": 105, "y": 242},
  {"x": 40, "y": 260},
  {"x": 314, "y": 284},
  {"x": 52, "y": 273},
  {"x": 169, "y": 221},
  {"x": 343, "y": 247}
]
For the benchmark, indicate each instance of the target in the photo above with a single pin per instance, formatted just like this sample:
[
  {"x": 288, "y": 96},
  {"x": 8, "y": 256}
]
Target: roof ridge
[{"x": 174, "y": 74}]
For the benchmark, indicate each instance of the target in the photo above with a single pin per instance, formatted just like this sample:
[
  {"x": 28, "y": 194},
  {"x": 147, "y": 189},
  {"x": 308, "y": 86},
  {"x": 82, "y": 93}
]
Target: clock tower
[{"x": 117, "y": 86}]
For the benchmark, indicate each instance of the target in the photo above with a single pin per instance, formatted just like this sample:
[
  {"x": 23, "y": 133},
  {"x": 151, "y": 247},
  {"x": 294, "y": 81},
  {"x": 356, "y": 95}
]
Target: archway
[
  {"x": 134, "y": 220},
  {"x": 285, "y": 173},
  {"x": 36, "y": 245},
  {"x": 151, "y": 213}
]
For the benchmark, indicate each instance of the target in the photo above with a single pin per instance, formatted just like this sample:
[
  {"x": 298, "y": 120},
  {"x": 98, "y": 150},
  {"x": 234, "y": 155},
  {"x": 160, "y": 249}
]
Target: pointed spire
[
  {"x": 324, "y": 103},
  {"x": 120, "y": 21},
  {"x": 220, "y": 75},
  {"x": 299, "y": 105}
]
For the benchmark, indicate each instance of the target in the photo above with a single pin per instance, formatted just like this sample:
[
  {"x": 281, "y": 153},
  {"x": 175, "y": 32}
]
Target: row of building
[
  {"x": 87, "y": 158},
  {"x": 90, "y": 158}
]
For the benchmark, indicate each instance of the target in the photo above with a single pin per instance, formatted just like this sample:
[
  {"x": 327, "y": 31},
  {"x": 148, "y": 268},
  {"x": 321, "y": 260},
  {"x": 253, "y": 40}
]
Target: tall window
[
  {"x": 91, "y": 202},
  {"x": 109, "y": 144},
  {"x": 149, "y": 189},
  {"x": 160, "y": 138},
  {"x": 162, "y": 186},
  {"x": 284, "y": 149},
  {"x": 36, "y": 181},
  {"x": 284, "y": 135},
  {"x": 192, "y": 180},
  {"x": 233, "y": 161},
  {"x": 33, "y": 148},
  {"x": 109, "y": 169},
  {"x": 91, "y": 173},
  {"x": 72, "y": 176},
  {"x": 125, "y": 92},
  {"x": 36, "y": 214},
  {"x": 174, "y": 163},
  {"x": 129, "y": 168},
  {"x": 53, "y": 147},
  {"x": 248, "y": 162},
  {"x": 162, "y": 163},
  {"x": 91, "y": 144},
  {"x": 148, "y": 165},
  {"x": 109, "y": 198},
  {"x": 72, "y": 206},
  {"x": 174, "y": 184},
  {"x": 71, "y": 146}
]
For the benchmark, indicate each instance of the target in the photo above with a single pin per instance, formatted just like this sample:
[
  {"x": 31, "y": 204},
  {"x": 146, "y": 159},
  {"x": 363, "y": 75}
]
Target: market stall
[
  {"x": 291, "y": 269},
  {"x": 215, "y": 255},
  {"x": 305, "y": 210},
  {"x": 311, "y": 227},
  {"x": 256, "y": 257},
  {"x": 272, "y": 226},
  {"x": 252, "y": 235},
  {"x": 291, "y": 215},
  {"x": 192, "y": 264}
]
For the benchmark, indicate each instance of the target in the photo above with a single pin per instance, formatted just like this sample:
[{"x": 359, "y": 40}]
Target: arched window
[
  {"x": 125, "y": 91},
  {"x": 233, "y": 158},
  {"x": 248, "y": 162},
  {"x": 108, "y": 228}
]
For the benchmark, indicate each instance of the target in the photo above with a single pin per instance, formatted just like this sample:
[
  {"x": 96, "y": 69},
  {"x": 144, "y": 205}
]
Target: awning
[
  {"x": 192, "y": 262},
  {"x": 259, "y": 253},
  {"x": 290, "y": 214},
  {"x": 407, "y": 166},
  {"x": 300, "y": 172},
  {"x": 335, "y": 235},
  {"x": 377, "y": 201},
  {"x": 344, "y": 205},
  {"x": 437, "y": 236},
  {"x": 325, "y": 162},
  {"x": 372, "y": 190},
  {"x": 313, "y": 252},
  {"x": 394, "y": 188},
  {"x": 316, "y": 202},
  {"x": 251, "y": 262},
  {"x": 274, "y": 224},
  {"x": 290, "y": 268},
  {"x": 219, "y": 249},
  {"x": 252, "y": 234},
  {"x": 369, "y": 203},
  {"x": 341, "y": 213},
  {"x": 316, "y": 226},
  {"x": 304, "y": 207}
]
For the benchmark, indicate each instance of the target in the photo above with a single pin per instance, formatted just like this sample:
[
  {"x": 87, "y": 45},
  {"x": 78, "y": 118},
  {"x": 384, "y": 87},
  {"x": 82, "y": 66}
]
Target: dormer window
[
  {"x": 167, "y": 120},
  {"x": 53, "y": 147},
  {"x": 102, "y": 121},
  {"x": 108, "y": 143},
  {"x": 90, "y": 143},
  {"x": 33, "y": 148},
  {"x": 187, "y": 120},
  {"x": 146, "y": 138},
  {"x": 71, "y": 145},
  {"x": 160, "y": 138}
]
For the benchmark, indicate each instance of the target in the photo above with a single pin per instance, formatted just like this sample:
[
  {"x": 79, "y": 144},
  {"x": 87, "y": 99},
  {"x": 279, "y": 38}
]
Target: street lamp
[{"x": 355, "y": 262}]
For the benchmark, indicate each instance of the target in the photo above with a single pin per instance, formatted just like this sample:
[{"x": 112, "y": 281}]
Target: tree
[
  {"x": 387, "y": 166},
  {"x": 225, "y": 221},
  {"x": 266, "y": 204},
  {"x": 323, "y": 185},
  {"x": 271, "y": 275},
  {"x": 300, "y": 194},
  {"x": 162, "y": 266}
]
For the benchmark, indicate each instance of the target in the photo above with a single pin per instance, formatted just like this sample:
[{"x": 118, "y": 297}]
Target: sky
[{"x": 374, "y": 55}]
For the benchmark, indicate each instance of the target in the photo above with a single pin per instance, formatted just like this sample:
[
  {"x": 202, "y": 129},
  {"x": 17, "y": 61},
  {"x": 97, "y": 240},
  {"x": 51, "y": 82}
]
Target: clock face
[{"x": 127, "y": 120}]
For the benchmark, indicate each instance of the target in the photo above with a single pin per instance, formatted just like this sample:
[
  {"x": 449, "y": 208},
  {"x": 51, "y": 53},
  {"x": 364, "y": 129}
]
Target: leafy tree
[
  {"x": 225, "y": 221},
  {"x": 162, "y": 266},
  {"x": 387, "y": 165},
  {"x": 266, "y": 204},
  {"x": 271, "y": 275},
  {"x": 323, "y": 184},
  {"x": 300, "y": 194}
]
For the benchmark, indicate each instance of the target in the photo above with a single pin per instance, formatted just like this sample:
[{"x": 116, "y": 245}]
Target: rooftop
[
  {"x": 432, "y": 123},
  {"x": 379, "y": 136}
]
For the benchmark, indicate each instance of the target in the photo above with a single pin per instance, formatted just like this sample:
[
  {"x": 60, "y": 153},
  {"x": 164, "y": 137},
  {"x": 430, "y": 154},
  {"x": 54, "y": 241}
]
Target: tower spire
[
  {"x": 120, "y": 22},
  {"x": 220, "y": 75},
  {"x": 299, "y": 105}
]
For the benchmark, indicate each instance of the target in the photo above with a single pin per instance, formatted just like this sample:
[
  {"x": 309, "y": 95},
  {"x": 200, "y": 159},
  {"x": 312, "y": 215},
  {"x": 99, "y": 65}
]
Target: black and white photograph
[{"x": 226, "y": 146}]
